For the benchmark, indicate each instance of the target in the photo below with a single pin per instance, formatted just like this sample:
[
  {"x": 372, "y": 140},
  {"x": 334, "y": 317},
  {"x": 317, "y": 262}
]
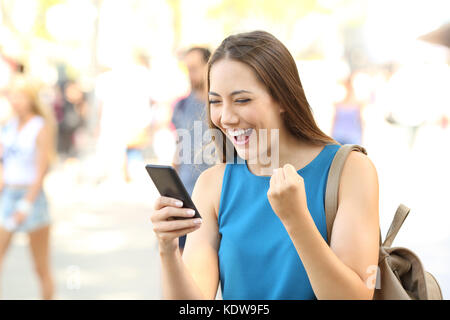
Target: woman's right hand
[{"x": 167, "y": 228}]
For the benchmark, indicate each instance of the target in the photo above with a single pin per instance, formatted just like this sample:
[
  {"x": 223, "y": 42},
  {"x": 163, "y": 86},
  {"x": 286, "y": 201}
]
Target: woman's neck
[
  {"x": 290, "y": 150},
  {"x": 24, "y": 118}
]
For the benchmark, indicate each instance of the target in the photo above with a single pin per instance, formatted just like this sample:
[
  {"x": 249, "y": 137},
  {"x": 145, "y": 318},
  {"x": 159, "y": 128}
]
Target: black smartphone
[{"x": 169, "y": 184}]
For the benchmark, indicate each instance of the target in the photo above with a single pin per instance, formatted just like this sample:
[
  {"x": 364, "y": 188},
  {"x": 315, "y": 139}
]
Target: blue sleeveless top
[{"x": 257, "y": 258}]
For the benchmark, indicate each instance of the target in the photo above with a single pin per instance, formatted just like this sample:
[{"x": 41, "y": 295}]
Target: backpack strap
[
  {"x": 400, "y": 216},
  {"x": 334, "y": 176}
]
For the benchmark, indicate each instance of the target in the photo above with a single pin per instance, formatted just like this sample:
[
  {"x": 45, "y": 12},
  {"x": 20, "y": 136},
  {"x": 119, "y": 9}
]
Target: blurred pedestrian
[
  {"x": 187, "y": 112},
  {"x": 347, "y": 122},
  {"x": 27, "y": 148},
  {"x": 265, "y": 236},
  {"x": 143, "y": 116},
  {"x": 124, "y": 96},
  {"x": 74, "y": 111}
]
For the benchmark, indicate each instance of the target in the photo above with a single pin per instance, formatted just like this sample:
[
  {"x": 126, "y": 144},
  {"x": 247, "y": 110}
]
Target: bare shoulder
[
  {"x": 44, "y": 131},
  {"x": 359, "y": 179},
  {"x": 358, "y": 163},
  {"x": 209, "y": 186},
  {"x": 214, "y": 172},
  {"x": 45, "y": 136}
]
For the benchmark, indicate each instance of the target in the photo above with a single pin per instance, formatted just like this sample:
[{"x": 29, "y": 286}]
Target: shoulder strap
[
  {"x": 334, "y": 176},
  {"x": 400, "y": 216}
]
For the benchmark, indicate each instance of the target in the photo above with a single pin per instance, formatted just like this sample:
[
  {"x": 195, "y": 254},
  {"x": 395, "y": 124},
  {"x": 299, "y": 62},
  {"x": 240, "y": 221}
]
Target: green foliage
[
  {"x": 40, "y": 29},
  {"x": 232, "y": 12}
]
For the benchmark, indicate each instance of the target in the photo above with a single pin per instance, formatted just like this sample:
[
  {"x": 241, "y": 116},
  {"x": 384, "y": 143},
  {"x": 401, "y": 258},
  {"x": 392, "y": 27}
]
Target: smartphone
[{"x": 169, "y": 184}]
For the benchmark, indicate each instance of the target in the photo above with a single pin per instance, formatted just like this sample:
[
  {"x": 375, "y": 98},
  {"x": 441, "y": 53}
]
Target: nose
[{"x": 228, "y": 116}]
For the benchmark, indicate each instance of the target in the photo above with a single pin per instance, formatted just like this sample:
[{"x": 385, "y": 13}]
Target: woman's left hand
[{"x": 287, "y": 194}]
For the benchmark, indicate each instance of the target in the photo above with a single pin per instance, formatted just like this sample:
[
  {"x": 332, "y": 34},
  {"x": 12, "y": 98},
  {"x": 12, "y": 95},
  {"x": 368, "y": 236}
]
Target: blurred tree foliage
[
  {"x": 39, "y": 28},
  {"x": 283, "y": 15},
  {"x": 175, "y": 7},
  {"x": 286, "y": 12}
]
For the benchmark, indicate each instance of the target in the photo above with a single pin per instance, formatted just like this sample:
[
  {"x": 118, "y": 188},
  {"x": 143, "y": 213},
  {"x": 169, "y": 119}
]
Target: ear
[{"x": 281, "y": 109}]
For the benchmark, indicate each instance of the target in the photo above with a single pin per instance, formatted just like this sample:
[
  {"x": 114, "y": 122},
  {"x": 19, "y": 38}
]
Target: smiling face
[{"x": 241, "y": 106}]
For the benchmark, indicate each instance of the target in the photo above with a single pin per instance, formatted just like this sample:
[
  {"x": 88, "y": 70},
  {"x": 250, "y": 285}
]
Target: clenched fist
[{"x": 287, "y": 194}]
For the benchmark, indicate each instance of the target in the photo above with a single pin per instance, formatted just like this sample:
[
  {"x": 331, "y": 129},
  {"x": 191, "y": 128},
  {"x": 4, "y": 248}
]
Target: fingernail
[
  {"x": 190, "y": 212},
  {"x": 198, "y": 221},
  {"x": 178, "y": 203}
]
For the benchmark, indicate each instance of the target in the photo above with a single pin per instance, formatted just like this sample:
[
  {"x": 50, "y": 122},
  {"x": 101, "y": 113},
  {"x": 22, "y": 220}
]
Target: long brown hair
[{"x": 275, "y": 67}]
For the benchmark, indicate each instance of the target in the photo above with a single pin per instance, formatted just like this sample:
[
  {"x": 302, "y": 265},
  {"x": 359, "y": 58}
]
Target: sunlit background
[{"x": 102, "y": 243}]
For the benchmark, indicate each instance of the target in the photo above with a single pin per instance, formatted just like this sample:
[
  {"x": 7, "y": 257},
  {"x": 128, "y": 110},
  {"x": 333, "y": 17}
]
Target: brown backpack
[{"x": 400, "y": 275}]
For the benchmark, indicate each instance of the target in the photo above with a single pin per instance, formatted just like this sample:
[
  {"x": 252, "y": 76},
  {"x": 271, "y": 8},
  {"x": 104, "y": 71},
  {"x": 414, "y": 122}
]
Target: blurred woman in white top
[{"x": 26, "y": 150}]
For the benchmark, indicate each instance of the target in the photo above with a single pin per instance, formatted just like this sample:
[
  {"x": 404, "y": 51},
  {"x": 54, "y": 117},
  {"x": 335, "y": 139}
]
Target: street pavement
[{"x": 102, "y": 243}]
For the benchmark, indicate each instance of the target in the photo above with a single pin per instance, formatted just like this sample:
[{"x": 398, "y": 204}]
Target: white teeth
[{"x": 238, "y": 132}]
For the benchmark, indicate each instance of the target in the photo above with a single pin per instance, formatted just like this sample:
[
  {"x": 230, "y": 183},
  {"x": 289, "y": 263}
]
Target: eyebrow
[{"x": 232, "y": 94}]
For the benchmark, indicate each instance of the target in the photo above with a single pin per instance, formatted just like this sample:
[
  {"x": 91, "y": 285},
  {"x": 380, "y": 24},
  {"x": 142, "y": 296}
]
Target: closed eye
[
  {"x": 214, "y": 101},
  {"x": 242, "y": 100}
]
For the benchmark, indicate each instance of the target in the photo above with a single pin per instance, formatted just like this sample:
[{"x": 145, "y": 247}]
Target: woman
[
  {"x": 347, "y": 120},
  {"x": 27, "y": 148},
  {"x": 264, "y": 237}
]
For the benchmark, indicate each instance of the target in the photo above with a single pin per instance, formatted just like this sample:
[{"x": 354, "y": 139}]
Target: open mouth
[{"x": 240, "y": 136}]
